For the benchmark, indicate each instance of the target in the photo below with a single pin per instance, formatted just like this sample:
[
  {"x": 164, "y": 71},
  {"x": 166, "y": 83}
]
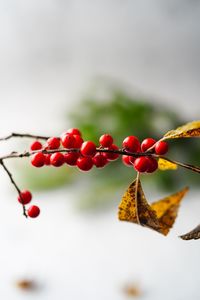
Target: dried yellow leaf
[
  {"x": 191, "y": 129},
  {"x": 164, "y": 165},
  {"x": 134, "y": 207},
  {"x": 159, "y": 216},
  {"x": 192, "y": 235},
  {"x": 166, "y": 210}
]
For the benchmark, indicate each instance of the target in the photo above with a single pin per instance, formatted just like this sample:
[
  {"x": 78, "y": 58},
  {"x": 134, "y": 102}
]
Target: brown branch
[
  {"x": 24, "y": 135},
  {"x": 15, "y": 185},
  {"x": 45, "y": 151},
  {"x": 102, "y": 150}
]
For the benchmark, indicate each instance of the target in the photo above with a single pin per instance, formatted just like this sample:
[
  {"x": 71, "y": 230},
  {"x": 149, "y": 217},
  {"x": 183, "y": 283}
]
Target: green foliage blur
[{"x": 121, "y": 115}]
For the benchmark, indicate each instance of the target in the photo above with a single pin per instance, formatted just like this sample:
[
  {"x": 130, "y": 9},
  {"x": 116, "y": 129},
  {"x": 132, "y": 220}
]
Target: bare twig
[
  {"x": 24, "y": 135},
  {"x": 15, "y": 185}
]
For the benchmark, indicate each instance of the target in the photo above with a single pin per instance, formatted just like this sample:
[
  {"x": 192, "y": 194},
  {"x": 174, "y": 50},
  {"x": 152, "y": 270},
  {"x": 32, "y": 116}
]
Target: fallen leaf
[
  {"x": 134, "y": 207},
  {"x": 164, "y": 165},
  {"x": 188, "y": 130},
  {"x": 192, "y": 235},
  {"x": 167, "y": 208}
]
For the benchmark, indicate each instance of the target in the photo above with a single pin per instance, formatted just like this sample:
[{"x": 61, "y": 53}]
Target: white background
[{"x": 50, "y": 51}]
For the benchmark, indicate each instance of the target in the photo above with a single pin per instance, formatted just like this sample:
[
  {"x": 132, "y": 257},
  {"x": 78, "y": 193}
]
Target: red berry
[
  {"x": 161, "y": 147},
  {"x": 68, "y": 141},
  {"x": 47, "y": 159},
  {"x": 57, "y": 159},
  {"x": 147, "y": 143},
  {"x": 111, "y": 156},
  {"x": 153, "y": 165},
  {"x": 71, "y": 158},
  {"x": 33, "y": 211},
  {"x": 126, "y": 160},
  {"x": 78, "y": 141},
  {"x": 38, "y": 160},
  {"x": 131, "y": 143},
  {"x": 141, "y": 164},
  {"x": 36, "y": 145},
  {"x": 106, "y": 140},
  {"x": 88, "y": 148},
  {"x": 84, "y": 163},
  {"x": 99, "y": 160},
  {"x": 25, "y": 197},
  {"x": 74, "y": 131},
  {"x": 53, "y": 143}
]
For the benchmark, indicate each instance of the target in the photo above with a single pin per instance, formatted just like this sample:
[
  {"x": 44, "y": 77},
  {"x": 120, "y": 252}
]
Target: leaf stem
[{"x": 136, "y": 197}]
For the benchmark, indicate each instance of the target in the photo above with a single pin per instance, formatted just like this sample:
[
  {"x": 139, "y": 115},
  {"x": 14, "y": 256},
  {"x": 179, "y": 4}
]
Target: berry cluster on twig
[{"x": 72, "y": 150}]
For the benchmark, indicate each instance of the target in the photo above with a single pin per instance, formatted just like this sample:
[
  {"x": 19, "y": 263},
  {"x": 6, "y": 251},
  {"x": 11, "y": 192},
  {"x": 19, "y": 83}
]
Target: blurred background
[{"x": 123, "y": 67}]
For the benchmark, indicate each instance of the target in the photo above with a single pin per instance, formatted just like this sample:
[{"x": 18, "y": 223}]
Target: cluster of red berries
[
  {"x": 143, "y": 163},
  {"x": 71, "y": 149},
  {"x": 25, "y": 198},
  {"x": 85, "y": 154}
]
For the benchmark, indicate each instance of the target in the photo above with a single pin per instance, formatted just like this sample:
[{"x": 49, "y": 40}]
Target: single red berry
[
  {"x": 57, "y": 159},
  {"x": 33, "y": 211},
  {"x": 53, "y": 143},
  {"x": 99, "y": 160},
  {"x": 141, "y": 164},
  {"x": 68, "y": 141},
  {"x": 126, "y": 160},
  {"x": 84, "y": 163},
  {"x": 88, "y": 148},
  {"x": 131, "y": 143},
  {"x": 78, "y": 141},
  {"x": 25, "y": 197},
  {"x": 153, "y": 165},
  {"x": 36, "y": 145},
  {"x": 110, "y": 155},
  {"x": 38, "y": 160},
  {"x": 147, "y": 143},
  {"x": 161, "y": 148},
  {"x": 106, "y": 140},
  {"x": 71, "y": 158},
  {"x": 47, "y": 159},
  {"x": 74, "y": 131}
]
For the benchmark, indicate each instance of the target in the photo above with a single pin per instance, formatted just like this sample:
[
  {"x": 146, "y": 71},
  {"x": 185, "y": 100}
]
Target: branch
[
  {"x": 15, "y": 185},
  {"x": 120, "y": 151},
  {"x": 183, "y": 165},
  {"x": 25, "y": 135}
]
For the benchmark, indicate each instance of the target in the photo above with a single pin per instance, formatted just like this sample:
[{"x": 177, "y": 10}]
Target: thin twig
[
  {"x": 24, "y": 135},
  {"x": 120, "y": 151},
  {"x": 15, "y": 185},
  {"x": 183, "y": 165},
  {"x": 62, "y": 150}
]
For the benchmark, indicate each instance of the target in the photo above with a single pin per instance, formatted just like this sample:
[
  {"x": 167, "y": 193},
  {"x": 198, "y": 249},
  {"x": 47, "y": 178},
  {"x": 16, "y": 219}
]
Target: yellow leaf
[
  {"x": 134, "y": 207},
  {"x": 159, "y": 216},
  {"x": 191, "y": 129},
  {"x": 166, "y": 210},
  {"x": 164, "y": 165},
  {"x": 192, "y": 235}
]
